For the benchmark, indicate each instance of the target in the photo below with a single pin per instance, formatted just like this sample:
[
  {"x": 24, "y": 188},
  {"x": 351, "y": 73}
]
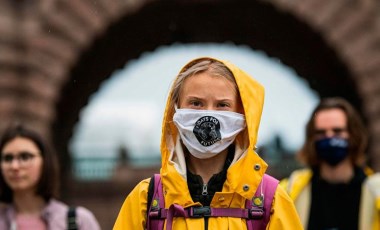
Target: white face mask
[{"x": 206, "y": 133}]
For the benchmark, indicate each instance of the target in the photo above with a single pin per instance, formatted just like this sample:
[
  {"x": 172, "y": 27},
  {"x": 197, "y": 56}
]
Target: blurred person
[
  {"x": 209, "y": 165},
  {"x": 29, "y": 186},
  {"x": 336, "y": 191}
]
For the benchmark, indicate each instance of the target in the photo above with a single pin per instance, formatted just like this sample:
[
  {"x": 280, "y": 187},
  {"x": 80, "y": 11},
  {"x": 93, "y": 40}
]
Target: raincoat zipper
[
  {"x": 205, "y": 193},
  {"x": 204, "y": 190}
]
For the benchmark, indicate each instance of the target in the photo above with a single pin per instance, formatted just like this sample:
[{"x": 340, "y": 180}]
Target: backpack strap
[
  {"x": 156, "y": 204},
  {"x": 71, "y": 218},
  {"x": 150, "y": 193},
  {"x": 257, "y": 211},
  {"x": 261, "y": 203}
]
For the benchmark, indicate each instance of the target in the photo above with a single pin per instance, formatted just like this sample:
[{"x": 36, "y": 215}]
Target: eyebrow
[{"x": 19, "y": 153}]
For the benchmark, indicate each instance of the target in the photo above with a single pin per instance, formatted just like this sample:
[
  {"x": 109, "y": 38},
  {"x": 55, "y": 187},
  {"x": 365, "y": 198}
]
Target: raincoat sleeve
[
  {"x": 132, "y": 214},
  {"x": 284, "y": 212}
]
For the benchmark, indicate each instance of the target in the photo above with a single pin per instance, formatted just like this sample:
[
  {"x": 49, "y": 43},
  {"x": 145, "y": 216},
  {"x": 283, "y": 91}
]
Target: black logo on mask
[{"x": 207, "y": 130}]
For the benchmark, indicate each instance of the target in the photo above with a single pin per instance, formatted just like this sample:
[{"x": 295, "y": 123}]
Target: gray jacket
[{"x": 55, "y": 216}]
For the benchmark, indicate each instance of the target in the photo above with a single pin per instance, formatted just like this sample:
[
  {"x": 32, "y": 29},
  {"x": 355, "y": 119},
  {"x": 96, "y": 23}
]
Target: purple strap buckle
[
  {"x": 256, "y": 213},
  {"x": 198, "y": 212},
  {"x": 155, "y": 213}
]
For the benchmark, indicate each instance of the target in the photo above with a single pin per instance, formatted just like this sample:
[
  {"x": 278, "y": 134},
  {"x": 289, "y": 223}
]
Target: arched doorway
[
  {"x": 259, "y": 25},
  {"x": 256, "y": 24}
]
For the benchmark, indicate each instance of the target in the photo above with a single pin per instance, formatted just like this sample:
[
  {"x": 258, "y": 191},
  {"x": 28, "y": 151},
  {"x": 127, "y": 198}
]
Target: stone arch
[{"x": 44, "y": 57}]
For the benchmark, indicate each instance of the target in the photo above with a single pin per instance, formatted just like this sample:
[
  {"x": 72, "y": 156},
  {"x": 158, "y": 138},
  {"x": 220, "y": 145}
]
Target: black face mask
[{"x": 332, "y": 150}]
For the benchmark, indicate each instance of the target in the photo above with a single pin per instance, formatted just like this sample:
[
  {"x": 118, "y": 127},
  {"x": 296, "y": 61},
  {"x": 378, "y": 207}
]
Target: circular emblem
[
  {"x": 258, "y": 201},
  {"x": 155, "y": 203},
  {"x": 207, "y": 130}
]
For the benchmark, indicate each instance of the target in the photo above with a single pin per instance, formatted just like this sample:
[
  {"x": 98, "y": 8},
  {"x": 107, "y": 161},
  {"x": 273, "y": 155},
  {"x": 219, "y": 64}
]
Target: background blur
[{"x": 93, "y": 75}]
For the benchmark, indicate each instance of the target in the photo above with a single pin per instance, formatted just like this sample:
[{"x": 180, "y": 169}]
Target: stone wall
[{"x": 41, "y": 41}]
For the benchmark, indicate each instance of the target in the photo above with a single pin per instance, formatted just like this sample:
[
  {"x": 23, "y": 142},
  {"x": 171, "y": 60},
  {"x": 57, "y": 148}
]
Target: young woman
[
  {"x": 209, "y": 135},
  {"x": 29, "y": 186}
]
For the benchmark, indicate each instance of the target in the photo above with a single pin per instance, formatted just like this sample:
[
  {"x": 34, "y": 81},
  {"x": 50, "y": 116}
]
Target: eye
[
  {"x": 25, "y": 156},
  {"x": 223, "y": 105},
  {"x": 320, "y": 132},
  {"x": 7, "y": 158},
  {"x": 195, "y": 103},
  {"x": 338, "y": 131}
]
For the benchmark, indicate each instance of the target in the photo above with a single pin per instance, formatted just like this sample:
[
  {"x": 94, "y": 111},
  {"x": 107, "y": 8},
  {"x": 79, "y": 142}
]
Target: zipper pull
[{"x": 204, "y": 190}]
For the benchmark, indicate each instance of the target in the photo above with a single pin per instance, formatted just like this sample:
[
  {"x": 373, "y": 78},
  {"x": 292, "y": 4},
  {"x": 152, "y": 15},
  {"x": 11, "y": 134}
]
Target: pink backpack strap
[
  {"x": 261, "y": 203},
  {"x": 257, "y": 211},
  {"x": 154, "y": 219}
]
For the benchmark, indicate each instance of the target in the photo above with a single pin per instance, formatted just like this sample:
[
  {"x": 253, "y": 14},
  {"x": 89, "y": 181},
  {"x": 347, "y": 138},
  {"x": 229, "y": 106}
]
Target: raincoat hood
[{"x": 247, "y": 167}]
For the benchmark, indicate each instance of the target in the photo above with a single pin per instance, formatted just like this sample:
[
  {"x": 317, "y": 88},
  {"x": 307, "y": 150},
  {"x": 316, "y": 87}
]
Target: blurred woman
[{"x": 29, "y": 186}]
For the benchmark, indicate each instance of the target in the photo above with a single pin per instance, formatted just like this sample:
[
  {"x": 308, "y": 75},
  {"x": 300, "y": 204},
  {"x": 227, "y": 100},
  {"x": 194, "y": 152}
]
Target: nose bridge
[
  {"x": 330, "y": 133},
  {"x": 15, "y": 163},
  {"x": 210, "y": 106}
]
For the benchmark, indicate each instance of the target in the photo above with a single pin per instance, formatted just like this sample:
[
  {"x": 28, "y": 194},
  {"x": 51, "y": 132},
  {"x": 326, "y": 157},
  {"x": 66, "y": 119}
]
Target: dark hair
[
  {"x": 358, "y": 138},
  {"x": 48, "y": 184}
]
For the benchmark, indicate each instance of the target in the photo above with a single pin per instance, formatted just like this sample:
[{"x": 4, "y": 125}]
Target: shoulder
[
  {"x": 56, "y": 207},
  {"x": 281, "y": 194},
  {"x": 3, "y": 206},
  {"x": 142, "y": 186},
  {"x": 373, "y": 178},
  {"x": 144, "y": 183},
  {"x": 283, "y": 212},
  {"x": 54, "y": 214},
  {"x": 303, "y": 175},
  {"x": 3, "y": 210},
  {"x": 138, "y": 195},
  {"x": 371, "y": 190},
  {"x": 297, "y": 182},
  {"x": 3, "y": 216},
  {"x": 370, "y": 201},
  {"x": 57, "y": 211},
  {"x": 133, "y": 210},
  {"x": 372, "y": 183},
  {"x": 86, "y": 219},
  {"x": 304, "y": 172}
]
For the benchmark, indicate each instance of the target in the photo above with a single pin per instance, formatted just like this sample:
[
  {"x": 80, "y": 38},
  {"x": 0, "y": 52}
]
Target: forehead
[
  {"x": 20, "y": 144},
  {"x": 205, "y": 80},
  {"x": 330, "y": 118}
]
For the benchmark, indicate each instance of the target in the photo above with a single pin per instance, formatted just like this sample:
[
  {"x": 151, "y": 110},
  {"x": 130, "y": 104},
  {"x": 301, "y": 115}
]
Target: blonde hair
[{"x": 202, "y": 65}]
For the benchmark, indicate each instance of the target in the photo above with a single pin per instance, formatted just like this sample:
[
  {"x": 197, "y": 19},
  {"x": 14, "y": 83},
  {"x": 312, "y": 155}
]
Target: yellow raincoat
[
  {"x": 298, "y": 185},
  {"x": 247, "y": 168}
]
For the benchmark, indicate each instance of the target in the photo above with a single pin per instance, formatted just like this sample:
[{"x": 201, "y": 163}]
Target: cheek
[
  {"x": 180, "y": 104},
  {"x": 4, "y": 175},
  {"x": 238, "y": 107},
  {"x": 35, "y": 173}
]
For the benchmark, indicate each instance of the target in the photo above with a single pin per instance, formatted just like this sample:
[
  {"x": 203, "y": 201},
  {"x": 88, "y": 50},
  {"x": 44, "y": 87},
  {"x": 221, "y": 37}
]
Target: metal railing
[{"x": 103, "y": 168}]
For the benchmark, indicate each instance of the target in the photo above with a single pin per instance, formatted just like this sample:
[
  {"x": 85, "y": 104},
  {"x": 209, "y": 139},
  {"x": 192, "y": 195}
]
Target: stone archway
[
  {"x": 55, "y": 53},
  {"x": 44, "y": 43}
]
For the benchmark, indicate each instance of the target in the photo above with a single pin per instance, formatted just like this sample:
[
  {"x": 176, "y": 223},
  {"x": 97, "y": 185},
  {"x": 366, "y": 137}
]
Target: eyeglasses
[
  {"x": 336, "y": 131},
  {"x": 23, "y": 158}
]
